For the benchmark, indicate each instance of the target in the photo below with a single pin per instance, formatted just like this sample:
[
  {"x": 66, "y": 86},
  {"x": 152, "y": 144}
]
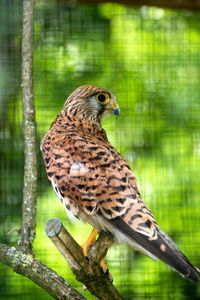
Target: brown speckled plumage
[{"x": 95, "y": 183}]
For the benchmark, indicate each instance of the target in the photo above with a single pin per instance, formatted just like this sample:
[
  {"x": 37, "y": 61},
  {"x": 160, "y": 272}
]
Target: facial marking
[{"x": 95, "y": 105}]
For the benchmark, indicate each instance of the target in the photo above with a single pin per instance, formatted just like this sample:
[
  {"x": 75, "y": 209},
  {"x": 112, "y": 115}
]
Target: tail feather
[{"x": 162, "y": 247}]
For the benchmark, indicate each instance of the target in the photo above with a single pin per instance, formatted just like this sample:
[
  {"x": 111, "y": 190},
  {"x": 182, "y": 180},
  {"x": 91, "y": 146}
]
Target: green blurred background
[{"x": 150, "y": 59}]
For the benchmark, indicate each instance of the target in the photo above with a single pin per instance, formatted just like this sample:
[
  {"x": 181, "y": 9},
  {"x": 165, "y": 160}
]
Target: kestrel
[{"x": 95, "y": 183}]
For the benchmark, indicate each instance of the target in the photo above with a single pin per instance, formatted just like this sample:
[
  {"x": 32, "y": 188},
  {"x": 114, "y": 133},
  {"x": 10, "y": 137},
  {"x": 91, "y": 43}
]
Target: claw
[{"x": 105, "y": 269}]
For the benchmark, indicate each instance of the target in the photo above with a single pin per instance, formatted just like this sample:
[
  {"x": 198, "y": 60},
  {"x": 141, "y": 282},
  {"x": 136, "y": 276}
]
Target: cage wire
[{"x": 149, "y": 58}]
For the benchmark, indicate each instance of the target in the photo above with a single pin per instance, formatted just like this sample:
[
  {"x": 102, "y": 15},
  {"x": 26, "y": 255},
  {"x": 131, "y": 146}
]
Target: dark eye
[{"x": 103, "y": 98}]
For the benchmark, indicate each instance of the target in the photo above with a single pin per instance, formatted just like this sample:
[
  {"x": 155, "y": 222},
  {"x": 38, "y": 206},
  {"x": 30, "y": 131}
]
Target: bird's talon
[
  {"x": 85, "y": 249},
  {"x": 106, "y": 270},
  {"x": 107, "y": 273},
  {"x": 111, "y": 278}
]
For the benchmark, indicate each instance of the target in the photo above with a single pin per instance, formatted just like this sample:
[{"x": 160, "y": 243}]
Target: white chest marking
[{"x": 78, "y": 168}]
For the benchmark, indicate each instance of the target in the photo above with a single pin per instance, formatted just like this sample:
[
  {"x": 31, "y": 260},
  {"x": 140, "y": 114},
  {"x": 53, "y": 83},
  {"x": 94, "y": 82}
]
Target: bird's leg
[{"x": 89, "y": 242}]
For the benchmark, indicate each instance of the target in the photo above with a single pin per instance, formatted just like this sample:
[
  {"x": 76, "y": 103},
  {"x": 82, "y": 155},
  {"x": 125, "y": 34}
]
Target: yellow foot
[
  {"x": 86, "y": 246},
  {"x": 90, "y": 241}
]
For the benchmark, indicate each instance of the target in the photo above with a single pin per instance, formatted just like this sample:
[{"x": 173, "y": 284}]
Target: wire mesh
[{"x": 149, "y": 58}]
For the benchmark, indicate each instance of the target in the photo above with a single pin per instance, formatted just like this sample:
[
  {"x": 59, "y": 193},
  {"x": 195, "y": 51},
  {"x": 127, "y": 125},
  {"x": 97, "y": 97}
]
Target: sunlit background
[{"x": 150, "y": 59}]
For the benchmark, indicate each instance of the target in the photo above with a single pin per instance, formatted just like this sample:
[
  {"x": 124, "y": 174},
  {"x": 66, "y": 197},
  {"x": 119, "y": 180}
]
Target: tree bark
[
  {"x": 30, "y": 267},
  {"x": 29, "y": 127}
]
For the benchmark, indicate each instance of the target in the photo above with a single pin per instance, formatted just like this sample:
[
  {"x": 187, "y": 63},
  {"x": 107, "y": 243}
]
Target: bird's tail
[{"x": 160, "y": 247}]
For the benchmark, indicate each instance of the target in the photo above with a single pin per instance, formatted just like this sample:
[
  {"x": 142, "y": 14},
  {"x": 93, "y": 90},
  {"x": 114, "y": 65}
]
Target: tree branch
[
  {"x": 28, "y": 266},
  {"x": 86, "y": 270},
  {"x": 29, "y": 127},
  {"x": 99, "y": 250}
]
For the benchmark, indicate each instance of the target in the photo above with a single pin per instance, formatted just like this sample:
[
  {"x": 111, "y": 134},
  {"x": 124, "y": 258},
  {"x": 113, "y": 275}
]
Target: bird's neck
[{"x": 64, "y": 122}]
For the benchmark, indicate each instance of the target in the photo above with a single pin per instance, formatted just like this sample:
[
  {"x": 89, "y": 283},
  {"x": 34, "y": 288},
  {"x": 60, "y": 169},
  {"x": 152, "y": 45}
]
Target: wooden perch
[{"x": 86, "y": 269}]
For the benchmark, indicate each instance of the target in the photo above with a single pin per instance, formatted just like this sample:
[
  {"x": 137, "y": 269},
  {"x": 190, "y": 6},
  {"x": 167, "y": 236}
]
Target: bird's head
[{"x": 91, "y": 103}]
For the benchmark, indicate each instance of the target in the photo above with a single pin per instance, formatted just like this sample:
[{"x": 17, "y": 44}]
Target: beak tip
[{"x": 116, "y": 111}]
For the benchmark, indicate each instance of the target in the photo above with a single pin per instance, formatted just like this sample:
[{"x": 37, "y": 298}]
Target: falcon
[{"x": 95, "y": 183}]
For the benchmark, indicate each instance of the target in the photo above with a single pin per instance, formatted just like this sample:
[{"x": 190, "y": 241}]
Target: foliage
[{"x": 150, "y": 59}]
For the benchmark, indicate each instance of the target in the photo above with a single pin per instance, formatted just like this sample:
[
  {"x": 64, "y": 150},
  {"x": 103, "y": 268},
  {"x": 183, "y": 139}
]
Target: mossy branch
[
  {"x": 29, "y": 266},
  {"x": 29, "y": 127}
]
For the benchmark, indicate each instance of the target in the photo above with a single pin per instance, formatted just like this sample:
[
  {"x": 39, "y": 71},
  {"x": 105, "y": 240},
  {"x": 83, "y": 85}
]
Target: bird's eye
[{"x": 103, "y": 98}]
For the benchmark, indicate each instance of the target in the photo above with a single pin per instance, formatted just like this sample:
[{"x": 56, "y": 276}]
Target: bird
[{"x": 95, "y": 183}]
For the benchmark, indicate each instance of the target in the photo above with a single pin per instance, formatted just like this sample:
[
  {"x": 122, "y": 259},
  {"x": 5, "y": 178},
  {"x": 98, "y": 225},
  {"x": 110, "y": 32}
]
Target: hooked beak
[
  {"x": 113, "y": 108},
  {"x": 116, "y": 111}
]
